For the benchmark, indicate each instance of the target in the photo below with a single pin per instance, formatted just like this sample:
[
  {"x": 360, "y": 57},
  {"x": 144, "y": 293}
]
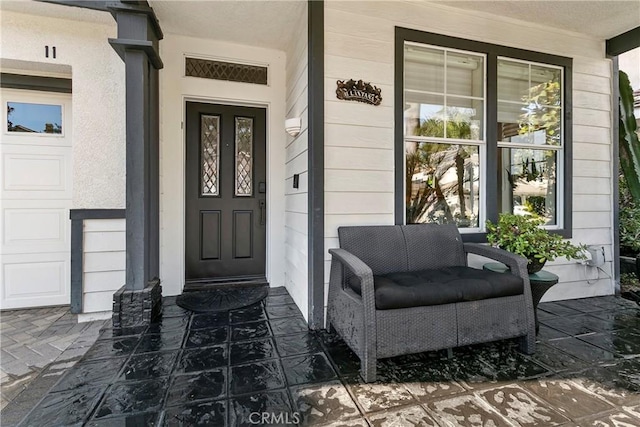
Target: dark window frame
[{"x": 492, "y": 53}]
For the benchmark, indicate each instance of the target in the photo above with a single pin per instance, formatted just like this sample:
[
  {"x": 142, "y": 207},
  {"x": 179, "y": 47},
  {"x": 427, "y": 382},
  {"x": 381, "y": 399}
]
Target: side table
[{"x": 540, "y": 283}]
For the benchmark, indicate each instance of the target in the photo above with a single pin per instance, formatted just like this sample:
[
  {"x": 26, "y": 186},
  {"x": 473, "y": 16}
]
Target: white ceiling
[
  {"x": 268, "y": 24},
  {"x": 603, "y": 19},
  {"x": 57, "y": 11}
]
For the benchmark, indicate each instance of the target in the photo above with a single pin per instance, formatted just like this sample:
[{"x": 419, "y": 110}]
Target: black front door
[{"x": 225, "y": 192}]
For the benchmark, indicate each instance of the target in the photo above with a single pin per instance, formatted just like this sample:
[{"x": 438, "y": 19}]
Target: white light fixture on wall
[{"x": 293, "y": 126}]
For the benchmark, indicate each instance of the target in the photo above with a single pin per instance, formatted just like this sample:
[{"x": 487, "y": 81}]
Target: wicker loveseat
[{"x": 407, "y": 289}]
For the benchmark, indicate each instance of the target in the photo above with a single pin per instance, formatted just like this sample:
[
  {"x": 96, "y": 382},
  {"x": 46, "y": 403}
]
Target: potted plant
[{"x": 523, "y": 235}]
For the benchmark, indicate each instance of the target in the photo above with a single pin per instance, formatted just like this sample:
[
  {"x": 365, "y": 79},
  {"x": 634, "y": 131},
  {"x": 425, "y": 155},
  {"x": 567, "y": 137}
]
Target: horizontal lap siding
[
  {"x": 103, "y": 263},
  {"x": 359, "y": 146},
  {"x": 297, "y": 162}
]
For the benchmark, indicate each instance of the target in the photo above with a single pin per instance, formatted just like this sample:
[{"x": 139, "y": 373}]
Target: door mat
[{"x": 222, "y": 298}]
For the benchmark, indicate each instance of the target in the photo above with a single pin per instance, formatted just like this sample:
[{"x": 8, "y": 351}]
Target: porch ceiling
[
  {"x": 602, "y": 19},
  {"x": 57, "y": 11},
  {"x": 267, "y": 23}
]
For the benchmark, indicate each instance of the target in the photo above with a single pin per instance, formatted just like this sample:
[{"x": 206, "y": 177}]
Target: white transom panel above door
[{"x": 35, "y": 198}]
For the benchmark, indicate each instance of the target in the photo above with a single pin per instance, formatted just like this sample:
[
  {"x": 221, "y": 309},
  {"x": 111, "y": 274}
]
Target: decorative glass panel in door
[
  {"x": 210, "y": 160},
  {"x": 244, "y": 156}
]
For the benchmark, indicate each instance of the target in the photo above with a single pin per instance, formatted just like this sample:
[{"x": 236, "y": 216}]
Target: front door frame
[
  {"x": 182, "y": 165},
  {"x": 257, "y": 194}
]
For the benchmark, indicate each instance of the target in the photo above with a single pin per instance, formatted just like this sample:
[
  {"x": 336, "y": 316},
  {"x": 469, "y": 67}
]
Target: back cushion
[
  {"x": 433, "y": 246},
  {"x": 381, "y": 247}
]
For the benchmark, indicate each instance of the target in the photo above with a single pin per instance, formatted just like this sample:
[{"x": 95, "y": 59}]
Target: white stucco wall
[
  {"x": 359, "y": 140},
  {"x": 175, "y": 90},
  {"x": 98, "y": 97},
  {"x": 297, "y": 162}
]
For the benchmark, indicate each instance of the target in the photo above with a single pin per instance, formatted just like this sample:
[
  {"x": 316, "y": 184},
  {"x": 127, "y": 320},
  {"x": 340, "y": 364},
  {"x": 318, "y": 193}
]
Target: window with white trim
[
  {"x": 483, "y": 129},
  {"x": 444, "y": 106}
]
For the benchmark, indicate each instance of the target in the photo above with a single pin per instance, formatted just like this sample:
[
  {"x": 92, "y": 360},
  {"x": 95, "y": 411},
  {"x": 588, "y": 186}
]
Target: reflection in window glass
[
  {"x": 529, "y": 103},
  {"x": 528, "y": 182},
  {"x": 444, "y": 93},
  {"x": 423, "y": 115},
  {"x": 34, "y": 118},
  {"x": 442, "y": 183}
]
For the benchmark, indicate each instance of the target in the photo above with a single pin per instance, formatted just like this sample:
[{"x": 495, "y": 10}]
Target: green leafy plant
[
  {"x": 629, "y": 216},
  {"x": 629, "y": 143},
  {"x": 523, "y": 235}
]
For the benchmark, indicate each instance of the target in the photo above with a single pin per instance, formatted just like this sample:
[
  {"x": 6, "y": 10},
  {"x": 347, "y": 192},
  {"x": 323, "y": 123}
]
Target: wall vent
[{"x": 219, "y": 70}]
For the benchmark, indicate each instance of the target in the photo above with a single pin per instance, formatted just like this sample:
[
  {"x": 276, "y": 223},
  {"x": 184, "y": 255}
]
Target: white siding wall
[
  {"x": 296, "y": 225},
  {"x": 98, "y": 97},
  {"x": 359, "y": 138},
  {"x": 103, "y": 263}
]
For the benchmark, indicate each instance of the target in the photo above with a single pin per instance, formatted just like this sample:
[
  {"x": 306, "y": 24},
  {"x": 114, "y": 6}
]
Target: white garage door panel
[
  {"x": 19, "y": 172},
  {"x": 36, "y": 172},
  {"x": 35, "y": 230},
  {"x": 35, "y": 197},
  {"x": 33, "y": 280}
]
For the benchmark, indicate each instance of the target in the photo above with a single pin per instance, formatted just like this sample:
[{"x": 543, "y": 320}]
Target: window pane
[
  {"x": 529, "y": 124},
  {"x": 210, "y": 154},
  {"x": 464, "y": 118},
  {"x": 423, "y": 115},
  {"x": 513, "y": 81},
  {"x": 34, "y": 118},
  {"x": 545, "y": 85},
  {"x": 465, "y": 74},
  {"x": 528, "y": 184},
  {"x": 423, "y": 68},
  {"x": 244, "y": 156},
  {"x": 442, "y": 184}
]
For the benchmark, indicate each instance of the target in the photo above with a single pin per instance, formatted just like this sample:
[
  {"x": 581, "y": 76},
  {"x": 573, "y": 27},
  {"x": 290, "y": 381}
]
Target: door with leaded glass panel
[{"x": 225, "y": 192}]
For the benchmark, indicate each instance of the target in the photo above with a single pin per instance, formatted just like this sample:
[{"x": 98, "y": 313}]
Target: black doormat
[{"x": 222, "y": 298}]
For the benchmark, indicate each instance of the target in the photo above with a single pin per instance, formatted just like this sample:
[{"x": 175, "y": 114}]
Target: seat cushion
[{"x": 441, "y": 286}]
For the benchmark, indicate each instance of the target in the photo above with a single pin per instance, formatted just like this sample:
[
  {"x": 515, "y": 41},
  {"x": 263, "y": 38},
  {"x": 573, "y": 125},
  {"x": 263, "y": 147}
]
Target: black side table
[{"x": 540, "y": 283}]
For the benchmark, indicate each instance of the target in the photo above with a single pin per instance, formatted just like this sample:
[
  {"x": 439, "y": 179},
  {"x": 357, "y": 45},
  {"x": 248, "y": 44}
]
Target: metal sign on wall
[{"x": 359, "y": 91}]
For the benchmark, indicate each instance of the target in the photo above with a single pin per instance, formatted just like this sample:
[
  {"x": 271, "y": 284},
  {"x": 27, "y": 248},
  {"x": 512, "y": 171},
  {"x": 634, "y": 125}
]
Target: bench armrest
[
  {"x": 357, "y": 267},
  {"x": 516, "y": 263},
  {"x": 349, "y": 260}
]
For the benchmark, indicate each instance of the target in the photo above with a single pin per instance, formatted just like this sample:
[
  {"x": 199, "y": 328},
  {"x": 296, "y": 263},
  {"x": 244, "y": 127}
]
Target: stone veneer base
[{"x": 137, "y": 307}]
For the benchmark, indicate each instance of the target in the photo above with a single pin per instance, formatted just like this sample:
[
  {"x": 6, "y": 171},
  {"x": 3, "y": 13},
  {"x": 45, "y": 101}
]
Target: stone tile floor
[
  {"x": 37, "y": 342},
  {"x": 236, "y": 367}
]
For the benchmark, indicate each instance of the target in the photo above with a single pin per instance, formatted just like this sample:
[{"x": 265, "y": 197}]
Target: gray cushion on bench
[{"x": 439, "y": 286}]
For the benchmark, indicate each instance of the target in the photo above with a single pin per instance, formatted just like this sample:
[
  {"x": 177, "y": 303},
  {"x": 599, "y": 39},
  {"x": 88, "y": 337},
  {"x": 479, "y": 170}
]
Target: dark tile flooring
[{"x": 261, "y": 366}]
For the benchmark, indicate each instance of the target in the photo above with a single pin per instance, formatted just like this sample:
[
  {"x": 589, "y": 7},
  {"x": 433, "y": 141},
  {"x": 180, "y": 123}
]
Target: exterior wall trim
[
  {"x": 615, "y": 154},
  {"x": 623, "y": 42},
  {"x": 316, "y": 163},
  {"x": 39, "y": 83},
  {"x": 77, "y": 217}
]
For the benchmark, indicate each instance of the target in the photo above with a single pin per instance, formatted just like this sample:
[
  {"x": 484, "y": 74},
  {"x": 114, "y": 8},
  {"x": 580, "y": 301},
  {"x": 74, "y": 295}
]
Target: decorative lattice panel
[
  {"x": 230, "y": 71},
  {"x": 244, "y": 156},
  {"x": 210, "y": 149}
]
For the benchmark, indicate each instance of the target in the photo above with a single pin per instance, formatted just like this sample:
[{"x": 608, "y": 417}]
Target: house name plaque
[{"x": 359, "y": 91}]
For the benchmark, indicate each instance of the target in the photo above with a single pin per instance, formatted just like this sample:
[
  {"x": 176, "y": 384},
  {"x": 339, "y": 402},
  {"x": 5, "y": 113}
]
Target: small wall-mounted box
[{"x": 296, "y": 180}]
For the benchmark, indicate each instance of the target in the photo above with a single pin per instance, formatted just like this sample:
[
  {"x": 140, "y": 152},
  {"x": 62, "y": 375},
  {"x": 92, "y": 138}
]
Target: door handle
[{"x": 263, "y": 213}]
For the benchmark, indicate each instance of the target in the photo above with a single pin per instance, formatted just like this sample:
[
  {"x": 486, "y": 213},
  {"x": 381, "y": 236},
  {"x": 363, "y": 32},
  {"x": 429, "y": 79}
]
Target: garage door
[{"x": 35, "y": 199}]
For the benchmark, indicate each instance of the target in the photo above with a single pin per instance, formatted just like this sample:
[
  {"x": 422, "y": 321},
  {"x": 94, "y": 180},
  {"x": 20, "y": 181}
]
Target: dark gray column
[
  {"x": 316, "y": 162},
  {"x": 137, "y": 44}
]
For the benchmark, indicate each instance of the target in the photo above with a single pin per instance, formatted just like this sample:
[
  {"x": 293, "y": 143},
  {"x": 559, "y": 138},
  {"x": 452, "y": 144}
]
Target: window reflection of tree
[{"x": 426, "y": 165}]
